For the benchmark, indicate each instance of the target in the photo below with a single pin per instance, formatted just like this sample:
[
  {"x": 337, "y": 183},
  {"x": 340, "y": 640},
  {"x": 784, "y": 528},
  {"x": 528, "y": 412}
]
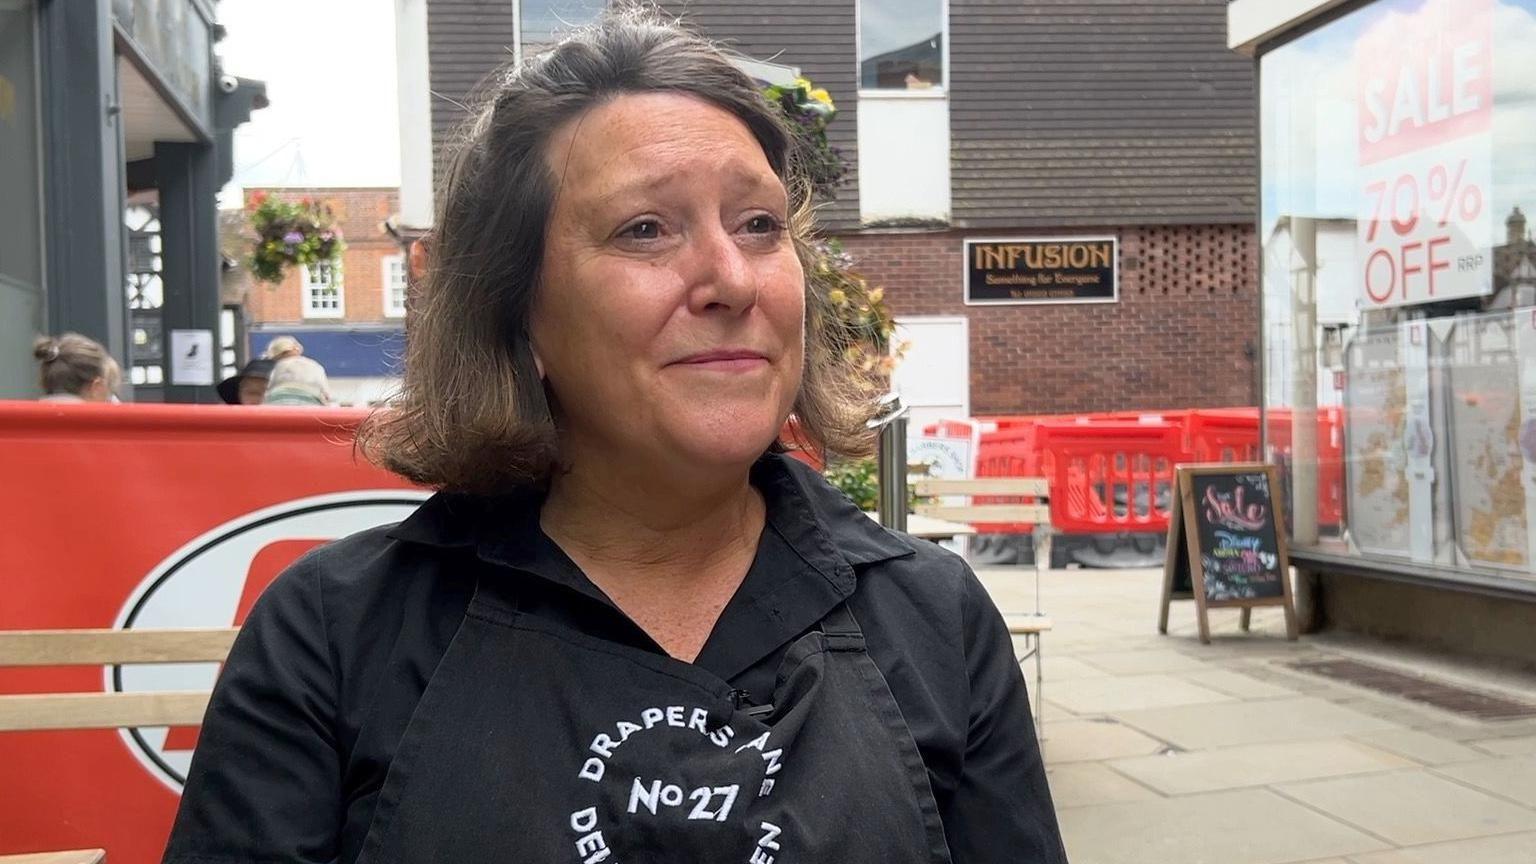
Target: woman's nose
[{"x": 721, "y": 277}]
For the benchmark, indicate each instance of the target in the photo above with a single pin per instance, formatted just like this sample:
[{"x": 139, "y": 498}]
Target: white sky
[{"x": 329, "y": 66}]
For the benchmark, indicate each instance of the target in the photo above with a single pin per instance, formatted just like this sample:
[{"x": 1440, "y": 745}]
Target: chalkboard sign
[{"x": 1224, "y": 546}]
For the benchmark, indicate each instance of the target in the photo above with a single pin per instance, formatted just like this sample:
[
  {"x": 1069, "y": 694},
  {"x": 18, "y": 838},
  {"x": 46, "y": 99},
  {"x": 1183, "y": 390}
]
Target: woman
[
  {"x": 75, "y": 368},
  {"x": 297, "y": 380},
  {"x": 249, "y": 386},
  {"x": 627, "y": 631}
]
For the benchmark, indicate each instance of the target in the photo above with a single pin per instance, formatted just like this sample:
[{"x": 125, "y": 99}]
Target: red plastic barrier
[
  {"x": 151, "y": 516},
  {"x": 1224, "y": 435},
  {"x": 1111, "y": 476},
  {"x": 1330, "y": 458},
  {"x": 1008, "y": 452}
]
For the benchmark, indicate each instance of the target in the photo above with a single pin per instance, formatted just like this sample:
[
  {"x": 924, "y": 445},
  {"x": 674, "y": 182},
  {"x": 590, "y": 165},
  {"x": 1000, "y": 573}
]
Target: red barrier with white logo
[{"x": 151, "y": 516}]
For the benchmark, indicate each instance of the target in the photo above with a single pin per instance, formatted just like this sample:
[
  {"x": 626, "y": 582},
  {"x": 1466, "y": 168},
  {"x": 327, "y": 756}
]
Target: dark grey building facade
[{"x": 116, "y": 128}]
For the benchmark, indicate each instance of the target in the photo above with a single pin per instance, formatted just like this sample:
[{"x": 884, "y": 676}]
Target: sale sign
[{"x": 1424, "y": 87}]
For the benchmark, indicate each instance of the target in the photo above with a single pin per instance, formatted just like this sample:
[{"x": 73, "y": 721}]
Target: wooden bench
[
  {"x": 37, "y": 711},
  {"x": 76, "y": 856},
  {"x": 23, "y": 712},
  {"x": 1029, "y": 626}
]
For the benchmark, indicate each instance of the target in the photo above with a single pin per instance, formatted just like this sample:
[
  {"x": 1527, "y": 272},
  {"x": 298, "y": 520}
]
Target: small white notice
[{"x": 192, "y": 358}]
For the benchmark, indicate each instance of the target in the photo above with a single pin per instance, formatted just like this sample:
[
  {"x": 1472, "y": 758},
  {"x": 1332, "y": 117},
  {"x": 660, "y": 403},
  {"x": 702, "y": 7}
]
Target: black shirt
[{"x": 332, "y": 661}]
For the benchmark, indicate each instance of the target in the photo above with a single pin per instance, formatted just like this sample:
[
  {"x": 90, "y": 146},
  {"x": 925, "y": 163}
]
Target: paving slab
[
  {"x": 1522, "y": 745},
  {"x": 1062, "y": 668},
  {"x": 1093, "y": 740},
  {"x": 1144, "y": 662},
  {"x": 1504, "y": 849},
  {"x": 1196, "y": 727},
  {"x": 1235, "y": 683},
  {"x": 1512, "y": 777},
  {"x": 1104, "y": 695},
  {"x": 1079, "y": 784},
  {"x": 1251, "y": 826},
  {"x": 1421, "y": 746},
  {"x": 1256, "y": 765},
  {"x": 1413, "y": 807}
]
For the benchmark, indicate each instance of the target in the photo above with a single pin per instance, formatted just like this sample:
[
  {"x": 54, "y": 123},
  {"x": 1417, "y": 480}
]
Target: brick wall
[
  {"x": 360, "y": 212},
  {"x": 1183, "y": 335}
]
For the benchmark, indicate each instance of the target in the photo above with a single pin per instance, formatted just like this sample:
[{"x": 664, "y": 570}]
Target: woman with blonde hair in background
[
  {"x": 297, "y": 381},
  {"x": 75, "y": 368}
]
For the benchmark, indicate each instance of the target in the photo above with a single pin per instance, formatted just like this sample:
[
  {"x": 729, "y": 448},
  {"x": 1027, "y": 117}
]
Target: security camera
[{"x": 228, "y": 83}]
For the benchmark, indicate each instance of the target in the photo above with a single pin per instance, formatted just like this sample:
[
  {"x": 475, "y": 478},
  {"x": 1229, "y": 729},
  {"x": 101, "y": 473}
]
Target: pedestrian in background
[
  {"x": 250, "y": 386},
  {"x": 283, "y": 347},
  {"x": 297, "y": 381},
  {"x": 75, "y": 368}
]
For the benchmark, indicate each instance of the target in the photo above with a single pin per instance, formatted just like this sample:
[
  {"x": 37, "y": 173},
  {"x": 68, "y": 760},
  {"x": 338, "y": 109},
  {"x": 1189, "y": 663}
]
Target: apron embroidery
[{"x": 534, "y": 742}]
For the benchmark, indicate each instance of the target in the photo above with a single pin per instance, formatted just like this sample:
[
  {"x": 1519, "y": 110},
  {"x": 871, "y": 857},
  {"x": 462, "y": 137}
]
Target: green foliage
[
  {"x": 858, "y": 479},
  {"x": 288, "y": 233}
]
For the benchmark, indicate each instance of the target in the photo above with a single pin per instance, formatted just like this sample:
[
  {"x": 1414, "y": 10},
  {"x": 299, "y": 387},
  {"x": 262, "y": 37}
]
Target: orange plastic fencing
[
  {"x": 1111, "y": 476},
  {"x": 1225, "y": 435}
]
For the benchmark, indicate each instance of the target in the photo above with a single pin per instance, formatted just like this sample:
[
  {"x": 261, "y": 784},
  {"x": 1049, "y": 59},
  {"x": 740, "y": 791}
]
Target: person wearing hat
[{"x": 249, "y": 387}]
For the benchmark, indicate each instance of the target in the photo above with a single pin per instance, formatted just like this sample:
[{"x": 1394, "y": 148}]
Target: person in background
[
  {"x": 75, "y": 368},
  {"x": 283, "y": 347},
  {"x": 249, "y": 387},
  {"x": 297, "y": 381}
]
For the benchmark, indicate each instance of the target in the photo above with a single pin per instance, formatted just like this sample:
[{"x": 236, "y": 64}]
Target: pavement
[{"x": 1161, "y": 750}]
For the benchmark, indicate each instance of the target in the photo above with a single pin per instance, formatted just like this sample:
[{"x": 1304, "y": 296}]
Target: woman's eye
[
  {"x": 647, "y": 230},
  {"x": 763, "y": 225}
]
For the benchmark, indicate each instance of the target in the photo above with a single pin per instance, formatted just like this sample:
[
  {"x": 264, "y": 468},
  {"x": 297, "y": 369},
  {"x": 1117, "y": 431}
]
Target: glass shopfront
[{"x": 1398, "y": 169}]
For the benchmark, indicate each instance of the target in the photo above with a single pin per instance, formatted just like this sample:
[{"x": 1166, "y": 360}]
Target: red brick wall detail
[{"x": 1183, "y": 335}]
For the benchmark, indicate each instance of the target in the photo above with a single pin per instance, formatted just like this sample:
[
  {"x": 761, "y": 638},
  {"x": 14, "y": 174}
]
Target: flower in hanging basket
[
  {"x": 862, "y": 323},
  {"x": 809, "y": 109},
  {"x": 289, "y": 233}
]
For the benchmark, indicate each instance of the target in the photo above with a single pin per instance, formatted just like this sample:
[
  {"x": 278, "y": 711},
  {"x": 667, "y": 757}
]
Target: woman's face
[{"x": 670, "y": 315}]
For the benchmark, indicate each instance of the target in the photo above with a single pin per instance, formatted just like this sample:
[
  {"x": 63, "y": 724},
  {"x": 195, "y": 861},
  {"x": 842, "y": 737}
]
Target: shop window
[
  {"x": 393, "y": 268},
  {"x": 901, "y": 44},
  {"x": 323, "y": 297},
  {"x": 1399, "y": 280}
]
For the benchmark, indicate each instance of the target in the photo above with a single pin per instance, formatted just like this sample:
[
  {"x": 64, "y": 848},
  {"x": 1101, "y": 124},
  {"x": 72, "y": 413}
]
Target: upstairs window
[{"x": 901, "y": 44}]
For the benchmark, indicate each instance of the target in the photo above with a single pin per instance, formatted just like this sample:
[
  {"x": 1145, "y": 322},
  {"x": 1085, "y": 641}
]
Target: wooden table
[{"x": 930, "y": 528}]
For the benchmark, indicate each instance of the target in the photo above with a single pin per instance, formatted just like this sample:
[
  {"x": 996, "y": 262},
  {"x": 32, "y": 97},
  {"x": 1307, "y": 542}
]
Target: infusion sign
[{"x": 1424, "y": 88}]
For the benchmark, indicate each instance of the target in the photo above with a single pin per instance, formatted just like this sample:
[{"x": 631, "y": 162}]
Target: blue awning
[{"x": 344, "y": 352}]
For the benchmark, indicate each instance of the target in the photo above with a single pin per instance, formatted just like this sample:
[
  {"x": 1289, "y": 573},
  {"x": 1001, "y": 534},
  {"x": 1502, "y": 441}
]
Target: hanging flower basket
[
  {"x": 858, "y": 309},
  {"x": 291, "y": 233},
  {"x": 809, "y": 109}
]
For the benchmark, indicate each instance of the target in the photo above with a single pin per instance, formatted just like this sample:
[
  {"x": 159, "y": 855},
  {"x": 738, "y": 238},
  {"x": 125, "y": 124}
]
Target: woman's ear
[
  {"x": 538, "y": 365},
  {"x": 97, "y": 391}
]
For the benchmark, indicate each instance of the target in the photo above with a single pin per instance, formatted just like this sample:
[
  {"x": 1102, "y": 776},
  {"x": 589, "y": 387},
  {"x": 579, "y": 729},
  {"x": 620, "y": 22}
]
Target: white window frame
[
  {"x": 386, "y": 268},
  {"x": 307, "y": 284},
  {"x": 938, "y": 91}
]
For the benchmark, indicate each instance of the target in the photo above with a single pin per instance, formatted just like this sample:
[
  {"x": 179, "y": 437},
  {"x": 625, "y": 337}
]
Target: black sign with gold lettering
[{"x": 1042, "y": 270}]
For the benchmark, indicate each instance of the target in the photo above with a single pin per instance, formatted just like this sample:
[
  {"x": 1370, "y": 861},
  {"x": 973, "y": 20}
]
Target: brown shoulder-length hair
[{"x": 472, "y": 413}]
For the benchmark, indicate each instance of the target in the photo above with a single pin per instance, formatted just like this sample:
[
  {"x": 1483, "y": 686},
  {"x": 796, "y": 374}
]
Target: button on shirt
[{"x": 333, "y": 660}]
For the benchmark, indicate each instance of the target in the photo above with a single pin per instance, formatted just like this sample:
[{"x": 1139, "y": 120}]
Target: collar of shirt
[{"x": 814, "y": 541}]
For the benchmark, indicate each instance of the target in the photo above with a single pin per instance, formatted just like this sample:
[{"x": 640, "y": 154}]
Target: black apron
[{"x": 536, "y": 743}]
